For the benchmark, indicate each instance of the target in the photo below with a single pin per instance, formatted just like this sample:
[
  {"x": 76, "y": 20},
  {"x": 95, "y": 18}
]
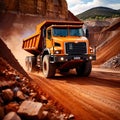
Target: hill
[{"x": 99, "y": 12}]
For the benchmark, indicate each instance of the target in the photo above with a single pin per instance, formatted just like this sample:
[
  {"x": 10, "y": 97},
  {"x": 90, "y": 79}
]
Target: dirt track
[{"x": 90, "y": 98}]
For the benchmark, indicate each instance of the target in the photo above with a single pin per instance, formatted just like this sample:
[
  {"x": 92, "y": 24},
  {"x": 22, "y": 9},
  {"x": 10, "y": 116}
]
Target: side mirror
[{"x": 86, "y": 33}]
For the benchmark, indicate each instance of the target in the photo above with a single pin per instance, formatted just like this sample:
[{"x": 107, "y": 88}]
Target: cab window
[
  {"x": 76, "y": 32},
  {"x": 49, "y": 34}
]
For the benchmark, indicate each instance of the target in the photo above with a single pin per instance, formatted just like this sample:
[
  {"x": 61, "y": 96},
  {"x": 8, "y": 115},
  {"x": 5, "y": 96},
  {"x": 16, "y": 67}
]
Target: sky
[{"x": 79, "y": 6}]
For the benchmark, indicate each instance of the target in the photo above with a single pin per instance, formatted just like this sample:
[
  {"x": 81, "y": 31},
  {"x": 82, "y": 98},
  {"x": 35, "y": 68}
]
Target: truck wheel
[
  {"x": 84, "y": 69},
  {"x": 79, "y": 70},
  {"x": 27, "y": 63},
  {"x": 49, "y": 69},
  {"x": 87, "y": 68},
  {"x": 30, "y": 67},
  {"x": 30, "y": 63}
]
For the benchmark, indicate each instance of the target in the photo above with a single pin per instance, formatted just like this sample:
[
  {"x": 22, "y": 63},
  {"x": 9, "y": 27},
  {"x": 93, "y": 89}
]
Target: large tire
[
  {"x": 49, "y": 69},
  {"x": 79, "y": 70},
  {"x": 84, "y": 69},
  {"x": 31, "y": 63},
  {"x": 27, "y": 63}
]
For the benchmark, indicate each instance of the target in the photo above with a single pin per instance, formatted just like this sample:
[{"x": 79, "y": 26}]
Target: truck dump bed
[{"x": 33, "y": 44}]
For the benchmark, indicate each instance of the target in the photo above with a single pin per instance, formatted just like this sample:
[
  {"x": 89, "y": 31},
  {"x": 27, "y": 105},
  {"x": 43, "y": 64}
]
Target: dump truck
[{"x": 59, "y": 45}]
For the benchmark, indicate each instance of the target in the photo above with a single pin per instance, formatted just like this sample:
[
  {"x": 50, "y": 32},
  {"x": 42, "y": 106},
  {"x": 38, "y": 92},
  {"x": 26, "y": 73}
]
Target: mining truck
[{"x": 59, "y": 45}]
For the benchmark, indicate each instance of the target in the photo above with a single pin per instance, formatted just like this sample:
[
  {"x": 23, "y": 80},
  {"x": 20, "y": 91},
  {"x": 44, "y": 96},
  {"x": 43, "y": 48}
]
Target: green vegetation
[{"x": 99, "y": 13}]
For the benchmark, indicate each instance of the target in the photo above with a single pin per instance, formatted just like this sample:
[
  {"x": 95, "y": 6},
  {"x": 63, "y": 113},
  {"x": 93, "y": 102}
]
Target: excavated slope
[
  {"x": 6, "y": 54},
  {"x": 111, "y": 45}
]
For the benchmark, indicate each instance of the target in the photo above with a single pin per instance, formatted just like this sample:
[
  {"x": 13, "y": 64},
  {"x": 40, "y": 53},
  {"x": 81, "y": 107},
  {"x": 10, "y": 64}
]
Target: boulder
[
  {"x": 12, "y": 116},
  {"x": 7, "y": 95},
  {"x": 30, "y": 110},
  {"x": 20, "y": 95},
  {"x": 13, "y": 106}
]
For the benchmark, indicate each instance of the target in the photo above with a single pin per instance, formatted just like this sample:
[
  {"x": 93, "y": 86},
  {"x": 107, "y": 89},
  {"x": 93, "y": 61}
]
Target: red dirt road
[{"x": 94, "y": 98}]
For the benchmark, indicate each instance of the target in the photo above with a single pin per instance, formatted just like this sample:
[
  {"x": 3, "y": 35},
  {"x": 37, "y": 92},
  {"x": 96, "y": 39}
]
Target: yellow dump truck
[{"x": 61, "y": 45}]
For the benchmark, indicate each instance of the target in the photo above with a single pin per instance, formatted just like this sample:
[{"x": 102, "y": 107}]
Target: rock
[
  {"x": 44, "y": 115},
  {"x": 20, "y": 95},
  {"x": 1, "y": 113},
  {"x": 30, "y": 110},
  {"x": 61, "y": 117},
  {"x": 6, "y": 83},
  {"x": 44, "y": 99},
  {"x": 25, "y": 90},
  {"x": 16, "y": 89},
  {"x": 112, "y": 63},
  {"x": 13, "y": 106},
  {"x": 26, "y": 81},
  {"x": 18, "y": 78},
  {"x": 32, "y": 96},
  {"x": 12, "y": 116},
  {"x": 71, "y": 117},
  {"x": 7, "y": 95}
]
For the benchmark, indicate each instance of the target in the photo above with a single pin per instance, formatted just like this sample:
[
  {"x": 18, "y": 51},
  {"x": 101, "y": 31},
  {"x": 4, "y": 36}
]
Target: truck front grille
[{"x": 75, "y": 48}]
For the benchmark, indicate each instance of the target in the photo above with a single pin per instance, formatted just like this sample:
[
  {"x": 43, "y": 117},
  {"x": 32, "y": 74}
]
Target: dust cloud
[
  {"x": 14, "y": 43},
  {"x": 13, "y": 29}
]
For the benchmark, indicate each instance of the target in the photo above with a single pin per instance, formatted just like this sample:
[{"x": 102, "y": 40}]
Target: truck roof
[{"x": 48, "y": 23}]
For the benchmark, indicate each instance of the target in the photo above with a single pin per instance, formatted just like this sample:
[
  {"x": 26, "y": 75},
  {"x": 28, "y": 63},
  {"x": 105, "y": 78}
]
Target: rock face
[{"x": 50, "y": 8}]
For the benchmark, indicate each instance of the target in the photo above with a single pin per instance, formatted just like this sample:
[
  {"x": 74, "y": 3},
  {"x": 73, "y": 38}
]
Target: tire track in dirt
[
  {"x": 87, "y": 98},
  {"x": 87, "y": 94}
]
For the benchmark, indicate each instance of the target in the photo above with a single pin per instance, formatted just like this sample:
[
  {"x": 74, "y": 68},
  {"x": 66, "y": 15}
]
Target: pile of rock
[
  {"x": 113, "y": 63},
  {"x": 20, "y": 101}
]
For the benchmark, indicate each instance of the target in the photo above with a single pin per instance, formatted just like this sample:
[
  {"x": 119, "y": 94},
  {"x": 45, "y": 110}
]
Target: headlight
[
  {"x": 91, "y": 50},
  {"x": 57, "y": 52},
  {"x": 62, "y": 58},
  {"x": 90, "y": 57}
]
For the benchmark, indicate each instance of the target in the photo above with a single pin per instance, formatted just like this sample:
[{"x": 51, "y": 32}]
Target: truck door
[{"x": 49, "y": 39}]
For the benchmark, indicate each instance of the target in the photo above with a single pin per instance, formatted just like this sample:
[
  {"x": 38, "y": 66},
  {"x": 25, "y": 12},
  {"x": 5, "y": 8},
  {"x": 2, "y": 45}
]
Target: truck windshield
[
  {"x": 60, "y": 32},
  {"x": 76, "y": 32},
  {"x": 63, "y": 32}
]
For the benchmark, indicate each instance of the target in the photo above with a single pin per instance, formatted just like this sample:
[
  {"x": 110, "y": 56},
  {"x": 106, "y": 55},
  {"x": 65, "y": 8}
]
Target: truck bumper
[{"x": 65, "y": 58}]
